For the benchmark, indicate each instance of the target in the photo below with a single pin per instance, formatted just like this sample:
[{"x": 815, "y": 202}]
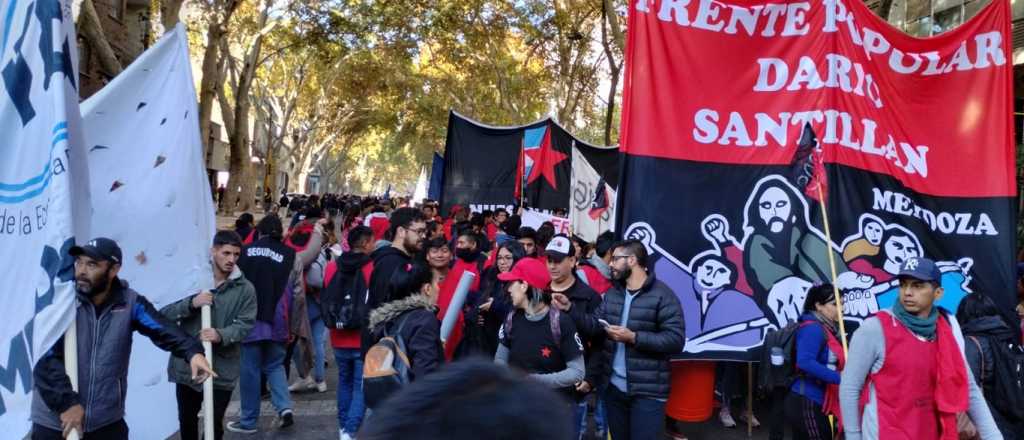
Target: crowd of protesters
[{"x": 554, "y": 332}]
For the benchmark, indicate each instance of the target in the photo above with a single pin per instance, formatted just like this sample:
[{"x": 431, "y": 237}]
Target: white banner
[
  {"x": 585, "y": 181},
  {"x": 534, "y": 219},
  {"x": 151, "y": 196},
  {"x": 41, "y": 154}
]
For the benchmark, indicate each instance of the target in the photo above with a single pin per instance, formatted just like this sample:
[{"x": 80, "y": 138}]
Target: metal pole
[
  {"x": 208, "y": 384},
  {"x": 71, "y": 363}
]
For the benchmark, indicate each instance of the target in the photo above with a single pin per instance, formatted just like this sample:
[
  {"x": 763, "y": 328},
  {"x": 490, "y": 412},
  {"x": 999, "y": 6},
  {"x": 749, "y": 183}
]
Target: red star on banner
[
  {"x": 545, "y": 159},
  {"x": 546, "y": 352}
]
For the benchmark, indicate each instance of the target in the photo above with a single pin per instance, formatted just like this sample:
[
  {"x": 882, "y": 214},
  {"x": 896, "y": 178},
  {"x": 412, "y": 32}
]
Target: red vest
[{"x": 905, "y": 385}]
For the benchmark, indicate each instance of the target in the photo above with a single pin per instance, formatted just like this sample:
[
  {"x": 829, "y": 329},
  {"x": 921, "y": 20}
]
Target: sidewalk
[{"x": 316, "y": 419}]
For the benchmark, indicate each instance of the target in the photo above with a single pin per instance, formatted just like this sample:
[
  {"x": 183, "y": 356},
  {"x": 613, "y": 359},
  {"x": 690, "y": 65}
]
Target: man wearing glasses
[
  {"x": 407, "y": 232},
  {"x": 644, "y": 327}
]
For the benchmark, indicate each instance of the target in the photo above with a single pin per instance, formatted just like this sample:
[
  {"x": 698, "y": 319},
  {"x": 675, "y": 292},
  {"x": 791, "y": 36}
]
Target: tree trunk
[
  {"x": 169, "y": 13},
  {"x": 608, "y": 18},
  {"x": 212, "y": 72},
  {"x": 89, "y": 23},
  {"x": 241, "y": 178}
]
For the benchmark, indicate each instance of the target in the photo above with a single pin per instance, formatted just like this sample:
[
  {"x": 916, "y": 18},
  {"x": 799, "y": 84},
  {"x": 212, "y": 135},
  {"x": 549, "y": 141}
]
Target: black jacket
[
  {"x": 386, "y": 261},
  {"x": 585, "y": 305},
  {"x": 979, "y": 335},
  {"x": 421, "y": 331},
  {"x": 657, "y": 319}
]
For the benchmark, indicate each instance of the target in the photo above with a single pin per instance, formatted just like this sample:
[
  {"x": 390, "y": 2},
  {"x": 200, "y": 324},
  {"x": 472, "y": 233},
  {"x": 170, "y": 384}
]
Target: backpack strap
[
  {"x": 397, "y": 334},
  {"x": 556, "y": 326},
  {"x": 981, "y": 356},
  {"x": 508, "y": 323}
]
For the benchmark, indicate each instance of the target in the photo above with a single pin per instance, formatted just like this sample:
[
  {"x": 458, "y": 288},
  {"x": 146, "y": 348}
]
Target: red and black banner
[
  {"x": 914, "y": 152},
  {"x": 487, "y": 167}
]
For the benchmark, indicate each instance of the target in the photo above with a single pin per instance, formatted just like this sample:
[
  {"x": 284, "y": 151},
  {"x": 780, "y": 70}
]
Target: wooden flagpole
[
  {"x": 750, "y": 399},
  {"x": 832, "y": 263}
]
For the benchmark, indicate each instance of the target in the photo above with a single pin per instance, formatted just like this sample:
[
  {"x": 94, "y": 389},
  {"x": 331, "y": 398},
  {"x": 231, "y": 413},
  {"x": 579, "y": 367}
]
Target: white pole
[
  {"x": 71, "y": 363},
  {"x": 208, "y": 385}
]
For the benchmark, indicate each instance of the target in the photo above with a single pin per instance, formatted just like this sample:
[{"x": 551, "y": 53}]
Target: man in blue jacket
[{"x": 107, "y": 315}]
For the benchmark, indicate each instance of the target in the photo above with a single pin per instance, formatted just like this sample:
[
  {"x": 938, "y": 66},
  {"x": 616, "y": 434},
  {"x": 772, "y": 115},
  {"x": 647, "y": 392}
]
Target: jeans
[
  {"x": 266, "y": 357},
  {"x": 318, "y": 331},
  {"x": 600, "y": 425},
  {"x": 114, "y": 431},
  {"x": 350, "y": 389},
  {"x": 190, "y": 402},
  {"x": 634, "y": 418}
]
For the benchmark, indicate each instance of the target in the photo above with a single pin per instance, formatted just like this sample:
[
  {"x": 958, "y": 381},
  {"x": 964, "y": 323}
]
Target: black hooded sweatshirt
[
  {"x": 267, "y": 264},
  {"x": 348, "y": 278},
  {"x": 386, "y": 261}
]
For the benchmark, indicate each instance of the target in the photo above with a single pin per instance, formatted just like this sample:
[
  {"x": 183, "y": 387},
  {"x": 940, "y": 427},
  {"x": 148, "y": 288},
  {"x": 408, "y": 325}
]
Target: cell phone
[{"x": 604, "y": 323}]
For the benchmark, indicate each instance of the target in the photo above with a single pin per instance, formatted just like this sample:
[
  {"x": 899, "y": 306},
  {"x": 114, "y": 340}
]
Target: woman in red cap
[{"x": 536, "y": 338}]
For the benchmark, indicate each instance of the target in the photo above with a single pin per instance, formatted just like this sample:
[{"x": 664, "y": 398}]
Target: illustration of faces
[
  {"x": 713, "y": 274},
  {"x": 873, "y": 232},
  {"x": 774, "y": 207},
  {"x": 899, "y": 247}
]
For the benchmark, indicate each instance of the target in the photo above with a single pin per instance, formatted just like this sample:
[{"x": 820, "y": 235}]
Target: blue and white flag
[{"x": 43, "y": 205}]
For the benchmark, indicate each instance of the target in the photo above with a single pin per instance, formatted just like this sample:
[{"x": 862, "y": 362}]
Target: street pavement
[{"x": 316, "y": 418}]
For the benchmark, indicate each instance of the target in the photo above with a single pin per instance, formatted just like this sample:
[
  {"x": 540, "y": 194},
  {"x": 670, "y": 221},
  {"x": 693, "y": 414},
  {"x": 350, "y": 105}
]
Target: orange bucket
[{"x": 693, "y": 391}]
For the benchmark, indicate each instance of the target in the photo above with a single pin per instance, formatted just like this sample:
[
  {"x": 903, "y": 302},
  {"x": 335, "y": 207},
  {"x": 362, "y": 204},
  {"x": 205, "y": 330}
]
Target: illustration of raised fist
[
  {"x": 716, "y": 228},
  {"x": 642, "y": 232}
]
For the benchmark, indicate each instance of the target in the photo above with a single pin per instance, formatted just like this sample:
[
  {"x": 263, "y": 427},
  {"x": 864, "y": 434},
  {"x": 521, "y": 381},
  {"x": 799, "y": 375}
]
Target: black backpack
[
  {"x": 342, "y": 301},
  {"x": 553, "y": 323},
  {"x": 1007, "y": 373},
  {"x": 386, "y": 366},
  {"x": 775, "y": 376}
]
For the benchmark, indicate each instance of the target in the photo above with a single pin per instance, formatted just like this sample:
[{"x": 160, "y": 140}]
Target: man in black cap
[
  {"x": 572, "y": 295},
  {"x": 108, "y": 313}
]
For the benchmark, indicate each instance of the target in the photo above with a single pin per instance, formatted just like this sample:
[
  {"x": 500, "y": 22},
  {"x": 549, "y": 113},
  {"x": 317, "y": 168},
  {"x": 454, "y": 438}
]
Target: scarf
[{"x": 923, "y": 327}]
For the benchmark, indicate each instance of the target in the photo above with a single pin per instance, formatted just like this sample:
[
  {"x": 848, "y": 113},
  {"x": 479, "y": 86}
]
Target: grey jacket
[
  {"x": 104, "y": 347},
  {"x": 233, "y": 314}
]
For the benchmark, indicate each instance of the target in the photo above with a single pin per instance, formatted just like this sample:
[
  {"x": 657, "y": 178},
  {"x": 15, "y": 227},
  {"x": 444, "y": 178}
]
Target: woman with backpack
[
  {"x": 411, "y": 316},
  {"x": 985, "y": 335},
  {"x": 814, "y": 394},
  {"x": 537, "y": 338}
]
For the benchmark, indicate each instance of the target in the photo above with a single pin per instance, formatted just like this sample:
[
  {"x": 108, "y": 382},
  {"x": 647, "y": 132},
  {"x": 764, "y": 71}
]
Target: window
[
  {"x": 84, "y": 57},
  {"x": 117, "y": 8}
]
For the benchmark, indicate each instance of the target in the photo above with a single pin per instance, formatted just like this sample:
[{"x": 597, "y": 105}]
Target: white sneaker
[
  {"x": 302, "y": 384},
  {"x": 726, "y": 417},
  {"x": 321, "y": 387},
  {"x": 753, "y": 420},
  {"x": 345, "y": 436}
]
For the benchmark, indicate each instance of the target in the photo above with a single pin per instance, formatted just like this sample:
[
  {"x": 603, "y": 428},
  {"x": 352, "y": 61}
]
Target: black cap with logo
[{"x": 99, "y": 249}]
